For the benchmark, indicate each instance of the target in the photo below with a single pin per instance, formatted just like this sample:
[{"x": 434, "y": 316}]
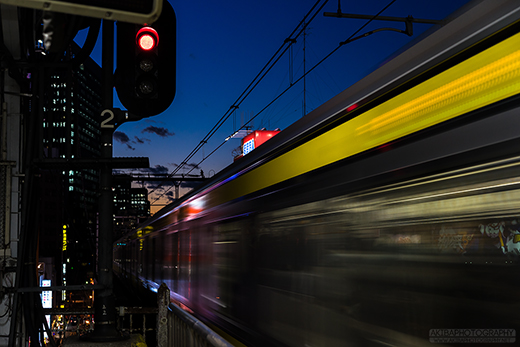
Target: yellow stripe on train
[{"x": 481, "y": 80}]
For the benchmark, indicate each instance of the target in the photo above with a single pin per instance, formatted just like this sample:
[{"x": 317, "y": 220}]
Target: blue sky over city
[{"x": 223, "y": 45}]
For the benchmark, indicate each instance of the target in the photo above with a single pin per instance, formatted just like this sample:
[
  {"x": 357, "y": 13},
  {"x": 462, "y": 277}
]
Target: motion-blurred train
[{"x": 389, "y": 216}]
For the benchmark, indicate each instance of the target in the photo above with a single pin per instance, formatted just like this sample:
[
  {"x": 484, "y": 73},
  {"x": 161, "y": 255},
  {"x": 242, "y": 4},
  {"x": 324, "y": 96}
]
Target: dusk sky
[{"x": 223, "y": 45}]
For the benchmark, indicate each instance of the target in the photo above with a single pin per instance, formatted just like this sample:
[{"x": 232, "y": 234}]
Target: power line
[
  {"x": 341, "y": 44},
  {"x": 254, "y": 83},
  {"x": 246, "y": 92},
  {"x": 350, "y": 39}
]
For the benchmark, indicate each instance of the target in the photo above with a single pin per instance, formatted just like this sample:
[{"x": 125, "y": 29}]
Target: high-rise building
[
  {"x": 139, "y": 202},
  {"x": 131, "y": 205},
  {"x": 71, "y": 130}
]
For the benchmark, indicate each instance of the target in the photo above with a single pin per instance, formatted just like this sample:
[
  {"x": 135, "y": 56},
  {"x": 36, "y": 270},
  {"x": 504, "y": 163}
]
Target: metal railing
[
  {"x": 173, "y": 327},
  {"x": 137, "y": 320},
  {"x": 178, "y": 328}
]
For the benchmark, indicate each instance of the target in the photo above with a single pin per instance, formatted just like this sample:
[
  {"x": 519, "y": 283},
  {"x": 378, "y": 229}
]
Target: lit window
[{"x": 249, "y": 146}]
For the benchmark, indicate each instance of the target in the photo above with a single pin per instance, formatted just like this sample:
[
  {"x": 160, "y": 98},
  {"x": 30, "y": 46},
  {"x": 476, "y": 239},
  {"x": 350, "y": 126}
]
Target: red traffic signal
[
  {"x": 145, "y": 74},
  {"x": 147, "y": 38}
]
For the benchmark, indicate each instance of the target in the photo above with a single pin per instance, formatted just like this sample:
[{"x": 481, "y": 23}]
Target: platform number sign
[{"x": 106, "y": 117}]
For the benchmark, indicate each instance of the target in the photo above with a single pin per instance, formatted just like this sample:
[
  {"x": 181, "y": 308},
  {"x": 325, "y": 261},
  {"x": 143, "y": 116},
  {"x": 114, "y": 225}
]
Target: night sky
[{"x": 223, "y": 45}]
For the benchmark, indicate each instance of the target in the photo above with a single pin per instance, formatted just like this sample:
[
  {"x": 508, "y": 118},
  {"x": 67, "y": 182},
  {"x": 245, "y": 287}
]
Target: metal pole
[{"x": 104, "y": 303}]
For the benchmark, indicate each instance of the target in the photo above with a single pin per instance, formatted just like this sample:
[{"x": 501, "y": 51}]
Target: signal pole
[
  {"x": 145, "y": 95},
  {"x": 104, "y": 301}
]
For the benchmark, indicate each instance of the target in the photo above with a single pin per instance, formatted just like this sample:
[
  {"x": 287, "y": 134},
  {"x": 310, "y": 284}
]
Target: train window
[
  {"x": 159, "y": 259},
  {"x": 282, "y": 249},
  {"x": 478, "y": 239},
  {"x": 185, "y": 263},
  {"x": 148, "y": 254},
  {"x": 134, "y": 258},
  {"x": 228, "y": 260},
  {"x": 171, "y": 260},
  {"x": 291, "y": 239},
  {"x": 153, "y": 259},
  {"x": 175, "y": 261},
  {"x": 207, "y": 275}
]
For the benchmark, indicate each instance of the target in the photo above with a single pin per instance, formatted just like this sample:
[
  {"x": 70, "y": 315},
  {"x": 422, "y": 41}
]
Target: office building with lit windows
[
  {"x": 131, "y": 205},
  {"x": 139, "y": 202},
  {"x": 69, "y": 194}
]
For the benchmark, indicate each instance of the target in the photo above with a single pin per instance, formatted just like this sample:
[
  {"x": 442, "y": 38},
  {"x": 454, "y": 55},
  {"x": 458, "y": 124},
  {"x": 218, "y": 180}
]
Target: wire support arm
[
  {"x": 384, "y": 18},
  {"x": 373, "y": 32}
]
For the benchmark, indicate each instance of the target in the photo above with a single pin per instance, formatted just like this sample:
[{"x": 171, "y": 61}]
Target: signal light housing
[{"x": 145, "y": 73}]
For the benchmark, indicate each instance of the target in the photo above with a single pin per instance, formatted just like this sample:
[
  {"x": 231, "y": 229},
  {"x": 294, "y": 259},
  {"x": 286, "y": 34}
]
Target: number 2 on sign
[{"x": 105, "y": 123}]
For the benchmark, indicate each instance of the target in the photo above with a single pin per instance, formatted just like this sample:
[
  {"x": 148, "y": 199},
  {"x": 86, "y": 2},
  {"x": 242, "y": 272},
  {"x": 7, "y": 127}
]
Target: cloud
[
  {"x": 186, "y": 166},
  {"x": 141, "y": 140},
  {"x": 190, "y": 184},
  {"x": 123, "y": 138},
  {"x": 193, "y": 166},
  {"x": 162, "y": 132},
  {"x": 150, "y": 185},
  {"x": 157, "y": 169},
  {"x": 120, "y": 136},
  {"x": 157, "y": 190},
  {"x": 170, "y": 196}
]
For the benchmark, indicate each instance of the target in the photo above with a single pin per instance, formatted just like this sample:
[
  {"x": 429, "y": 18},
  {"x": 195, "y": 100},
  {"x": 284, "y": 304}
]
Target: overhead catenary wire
[
  {"x": 341, "y": 44},
  {"x": 351, "y": 38},
  {"x": 311, "y": 14}
]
